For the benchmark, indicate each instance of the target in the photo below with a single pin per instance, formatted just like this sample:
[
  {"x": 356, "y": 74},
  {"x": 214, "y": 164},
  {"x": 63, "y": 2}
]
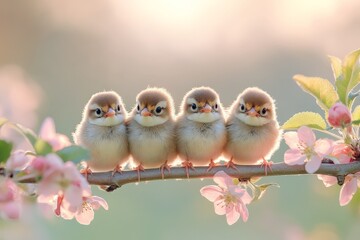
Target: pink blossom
[
  {"x": 10, "y": 200},
  {"x": 339, "y": 115},
  {"x": 85, "y": 213},
  {"x": 305, "y": 148},
  {"x": 17, "y": 161},
  {"x": 228, "y": 198},
  {"x": 48, "y": 133},
  {"x": 64, "y": 187}
]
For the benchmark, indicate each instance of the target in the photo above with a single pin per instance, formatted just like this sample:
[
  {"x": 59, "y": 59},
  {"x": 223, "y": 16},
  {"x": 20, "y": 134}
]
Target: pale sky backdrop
[{"x": 66, "y": 50}]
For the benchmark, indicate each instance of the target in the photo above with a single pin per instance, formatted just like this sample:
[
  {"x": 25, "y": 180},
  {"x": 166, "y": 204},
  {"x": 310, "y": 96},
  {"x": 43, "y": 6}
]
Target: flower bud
[{"x": 339, "y": 115}]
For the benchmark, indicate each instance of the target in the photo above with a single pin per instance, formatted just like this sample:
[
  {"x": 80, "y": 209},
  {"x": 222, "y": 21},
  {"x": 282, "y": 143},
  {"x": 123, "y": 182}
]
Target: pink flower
[
  {"x": 17, "y": 161},
  {"x": 48, "y": 133},
  {"x": 228, "y": 198},
  {"x": 85, "y": 214},
  {"x": 64, "y": 187},
  {"x": 339, "y": 115},
  {"x": 10, "y": 200},
  {"x": 305, "y": 148}
]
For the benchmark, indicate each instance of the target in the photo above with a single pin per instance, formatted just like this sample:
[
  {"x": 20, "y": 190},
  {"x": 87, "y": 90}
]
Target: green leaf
[
  {"x": 323, "y": 91},
  {"x": 5, "y": 150},
  {"x": 349, "y": 78},
  {"x": 259, "y": 191},
  {"x": 310, "y": 119},
  {"x": 356, "y": 122},
  {"x": 336, "y": 66},
  {"x": 356, "y": 113},
  {"x": 42, "y": 147},
  {"x": 74, "y": 153}
]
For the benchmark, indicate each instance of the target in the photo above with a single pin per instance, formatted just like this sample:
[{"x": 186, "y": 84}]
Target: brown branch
[{"x": 242, "y": 172}]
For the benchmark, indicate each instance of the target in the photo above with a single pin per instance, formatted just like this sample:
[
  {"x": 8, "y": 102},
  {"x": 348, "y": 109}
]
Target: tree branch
[{"x": 242, "y": 172}]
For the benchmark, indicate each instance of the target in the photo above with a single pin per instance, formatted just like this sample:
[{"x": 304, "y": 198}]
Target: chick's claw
[
  {"x": 211, "y": 165},
  {"x": 138, "y": 169},
  {"x": 163, "y": 167},
  {"x": 187, "y": 164},
  {"x": 231, "y": 164},
  {"x": 267, "y": 165},
  {"x": 116, "y": 169},
  {"x": 86, "y": 171}
]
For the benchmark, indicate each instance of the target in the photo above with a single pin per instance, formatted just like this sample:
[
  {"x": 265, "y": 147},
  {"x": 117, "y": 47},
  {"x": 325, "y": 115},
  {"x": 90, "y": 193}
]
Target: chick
[
  {"x": 102, "y": 130},
  {"x": 200, "y": 131},
  {"x": 252, "y": 129},
  {"x": 152, "y": 130}
]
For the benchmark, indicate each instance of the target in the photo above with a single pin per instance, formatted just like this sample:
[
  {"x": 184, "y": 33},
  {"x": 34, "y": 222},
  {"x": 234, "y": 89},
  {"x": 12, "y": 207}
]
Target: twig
[{"x": 243, "y": 172}]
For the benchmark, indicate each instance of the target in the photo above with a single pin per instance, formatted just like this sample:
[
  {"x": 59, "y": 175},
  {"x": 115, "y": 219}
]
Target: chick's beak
[
  {"x": 252, "y": 113},
  {"x": 206, "y": 109},
  {"x": 145, "y": 113},
  {"x": 110, "y": 113}
]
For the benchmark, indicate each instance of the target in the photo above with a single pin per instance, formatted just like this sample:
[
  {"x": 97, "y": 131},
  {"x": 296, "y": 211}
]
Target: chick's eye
[
  {"x": 118, "y": 108},
  {"x": 216, "y": 106},
  {"x": 263, "y": 112},
  {"x": 193, "y": 107},
  {"x": 158, "y": 110},
  {"x": 138, "y": 108},
  {"x": 98, "y": 112},
  {"x": 242, "y": 108}
]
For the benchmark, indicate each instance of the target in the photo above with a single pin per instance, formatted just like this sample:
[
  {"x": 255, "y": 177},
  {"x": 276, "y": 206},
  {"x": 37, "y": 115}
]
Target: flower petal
[
  {"x": 211, "y": 192},
  {"x": 244, "y": 212},
  {"x": 313, "y": 164},
  {"x": 85, "y": 215},
  {"x": 96, "y": 202},
  {"x": 17, "y": 161},
  {"x": 47, "y": 129},
  {"x": 223, "y": 180},
  {"x": 347, "y": 191},
  {"x": 246, "y": 198},
  {"x": 220, "y": 206},
  {"x": 294, "y": 157},
  {"x": 327, "y": 180},
  {"x": 323, "y": 147},
  {"x": 72, "y": 198},
  {"x": 306, "y": 135},
  {"x": 291, "y": 139},
  {"x": 232, "y": 216}
]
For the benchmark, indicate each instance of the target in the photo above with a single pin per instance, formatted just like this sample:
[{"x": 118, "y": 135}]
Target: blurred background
[{"x": 55, "y": 54}]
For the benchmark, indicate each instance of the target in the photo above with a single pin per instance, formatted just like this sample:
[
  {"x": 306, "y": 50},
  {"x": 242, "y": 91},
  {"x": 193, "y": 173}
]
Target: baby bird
[
  {"x": 102, "y": 130},
  {"x": 200, "y": 131},
  {"x": 151, "y": 130},
  {"x": 252, "y": 129}
]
